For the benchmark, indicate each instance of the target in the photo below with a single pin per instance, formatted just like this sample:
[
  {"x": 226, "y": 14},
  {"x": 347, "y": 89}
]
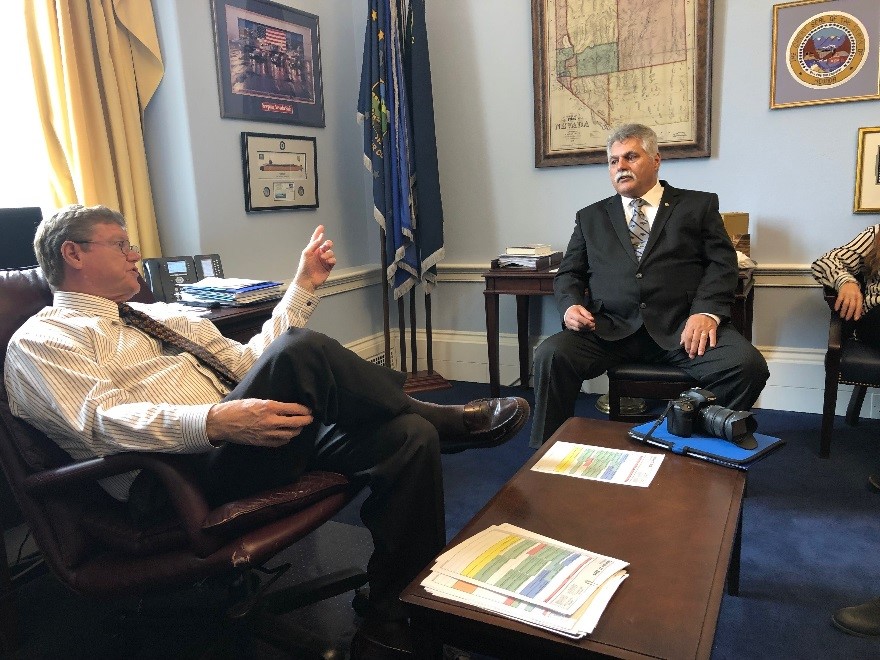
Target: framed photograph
[
  {"x": 867, "y": 196},
  {"x": 268, "y": 62},
  {"x": 280, "y": 172},
  {"x": 597, "y": 68},
  {"x": 825, "y": 52}
]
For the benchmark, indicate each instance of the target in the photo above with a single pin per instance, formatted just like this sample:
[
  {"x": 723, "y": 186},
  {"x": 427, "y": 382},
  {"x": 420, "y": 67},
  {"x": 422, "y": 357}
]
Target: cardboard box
[{"x": 737, "y": 225}]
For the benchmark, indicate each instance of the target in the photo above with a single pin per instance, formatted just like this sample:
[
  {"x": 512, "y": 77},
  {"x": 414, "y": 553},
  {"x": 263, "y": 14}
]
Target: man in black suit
[{"x": 649, "y": 275}]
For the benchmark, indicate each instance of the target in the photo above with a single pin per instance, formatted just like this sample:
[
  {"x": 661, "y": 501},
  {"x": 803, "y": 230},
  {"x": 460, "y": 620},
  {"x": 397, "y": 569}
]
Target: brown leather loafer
[
  {"x": 488, "y": 423},
  {"x": 859, "y": 620}
]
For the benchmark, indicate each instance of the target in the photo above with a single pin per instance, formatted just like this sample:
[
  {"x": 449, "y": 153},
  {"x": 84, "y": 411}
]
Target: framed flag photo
[
  {"x": 268, "y": 62},
  {"x": 280, "y": 172}
]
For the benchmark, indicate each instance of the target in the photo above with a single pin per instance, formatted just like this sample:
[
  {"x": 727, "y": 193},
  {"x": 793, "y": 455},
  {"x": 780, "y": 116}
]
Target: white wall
[{"x": 792, "y": 170}]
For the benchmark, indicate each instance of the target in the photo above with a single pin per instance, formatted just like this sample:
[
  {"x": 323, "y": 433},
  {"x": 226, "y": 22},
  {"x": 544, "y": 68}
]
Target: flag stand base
[{"x": 424, "y": 381}]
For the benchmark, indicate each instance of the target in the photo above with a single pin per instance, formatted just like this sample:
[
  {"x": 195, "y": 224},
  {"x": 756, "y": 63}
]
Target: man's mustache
[{"x": 620, "y": 175}]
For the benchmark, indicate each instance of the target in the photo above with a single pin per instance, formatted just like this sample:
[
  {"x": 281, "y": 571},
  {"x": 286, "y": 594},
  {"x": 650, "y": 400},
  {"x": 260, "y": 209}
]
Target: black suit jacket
[{"x": 688, "y": 266}]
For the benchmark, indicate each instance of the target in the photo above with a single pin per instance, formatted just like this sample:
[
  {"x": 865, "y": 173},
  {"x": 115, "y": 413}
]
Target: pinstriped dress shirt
[{"x": 97, "y": 386}]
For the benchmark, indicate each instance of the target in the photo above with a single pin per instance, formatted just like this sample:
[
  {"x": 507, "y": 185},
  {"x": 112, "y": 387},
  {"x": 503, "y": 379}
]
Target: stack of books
[
  {"x": 232, "y": 291},
  {"x": 534, "y": 579},
  {"x": 531, "y": 256}
]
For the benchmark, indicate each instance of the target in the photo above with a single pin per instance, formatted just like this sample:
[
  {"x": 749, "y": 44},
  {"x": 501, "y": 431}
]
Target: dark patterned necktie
[
  {"x": 638, "y": 227},
  {"x": 163, "y": 333}
]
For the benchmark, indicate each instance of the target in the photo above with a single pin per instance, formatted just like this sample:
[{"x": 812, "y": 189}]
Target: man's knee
[
  {"x": 305, "y": 340},
  {"x": 753, "y": 367}
]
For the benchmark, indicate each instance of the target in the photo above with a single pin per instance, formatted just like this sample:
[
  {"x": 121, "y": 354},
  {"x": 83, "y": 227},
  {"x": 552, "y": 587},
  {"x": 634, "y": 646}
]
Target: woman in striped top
[{"x": 845, "y": 269}]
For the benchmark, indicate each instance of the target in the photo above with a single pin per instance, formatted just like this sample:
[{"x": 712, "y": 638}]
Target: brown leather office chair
[
  {"x": 88, "y": 541},
  {"x": 848, "y": 361}
]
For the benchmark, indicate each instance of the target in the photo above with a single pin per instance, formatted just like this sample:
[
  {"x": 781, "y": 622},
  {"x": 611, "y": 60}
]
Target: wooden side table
[
  {"x": 521, "y": 284},
  {"x": 524, "y": 284}
]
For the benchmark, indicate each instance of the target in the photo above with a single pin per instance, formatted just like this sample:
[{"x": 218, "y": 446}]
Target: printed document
[
  {"x": 630, "y": 468},
  {"x": 528, "y": 577}
]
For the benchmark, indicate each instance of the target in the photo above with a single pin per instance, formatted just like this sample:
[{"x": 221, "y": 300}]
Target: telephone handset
[{"x": 208, "y": 265}]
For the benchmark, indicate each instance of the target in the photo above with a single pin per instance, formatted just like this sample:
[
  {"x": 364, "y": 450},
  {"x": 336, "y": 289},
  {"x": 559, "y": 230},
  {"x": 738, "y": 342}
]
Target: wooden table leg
[
  {"x": 522, "y": 333},
  {"x": 492, "y": 343}
]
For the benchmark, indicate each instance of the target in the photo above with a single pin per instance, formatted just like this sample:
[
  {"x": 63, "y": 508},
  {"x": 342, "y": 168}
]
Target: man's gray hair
[
  {"x": 70, "y": 223},
  {"x": 642, "y": 133}
]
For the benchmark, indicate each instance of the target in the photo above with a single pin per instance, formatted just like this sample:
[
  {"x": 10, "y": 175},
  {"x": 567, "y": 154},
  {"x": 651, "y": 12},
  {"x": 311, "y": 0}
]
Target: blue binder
[{"x": 714, "y": 450}]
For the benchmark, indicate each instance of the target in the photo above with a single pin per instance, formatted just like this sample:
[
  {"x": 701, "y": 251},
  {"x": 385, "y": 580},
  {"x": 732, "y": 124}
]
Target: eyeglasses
[{"x": 124, "y": 246}]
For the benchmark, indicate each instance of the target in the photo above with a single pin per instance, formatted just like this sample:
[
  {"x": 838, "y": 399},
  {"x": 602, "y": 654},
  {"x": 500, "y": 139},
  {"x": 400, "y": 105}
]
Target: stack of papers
[
  {"x": 530, "y": 249},
  {"x": 533, "y": 262},
  {"x": 530, "y": 578},
  {"x": 231, "y": 291}
]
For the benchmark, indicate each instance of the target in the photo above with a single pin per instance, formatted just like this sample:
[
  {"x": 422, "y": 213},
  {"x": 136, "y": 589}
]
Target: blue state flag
[{"x": 399, "y": 144}]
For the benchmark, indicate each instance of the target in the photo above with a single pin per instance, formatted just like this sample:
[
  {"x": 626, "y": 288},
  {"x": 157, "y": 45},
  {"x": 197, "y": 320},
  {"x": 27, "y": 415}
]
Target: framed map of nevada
[{"x": 602, "y": 63}]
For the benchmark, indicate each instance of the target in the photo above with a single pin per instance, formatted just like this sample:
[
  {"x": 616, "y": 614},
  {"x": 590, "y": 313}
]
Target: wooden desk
[
  {"x": 524, "y": 284},
  {"x": 242, "y": 323},
  {"x": 677, "y": 535}
]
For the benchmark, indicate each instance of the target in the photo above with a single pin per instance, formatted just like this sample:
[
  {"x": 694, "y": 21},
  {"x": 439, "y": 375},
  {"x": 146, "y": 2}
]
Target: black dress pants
[
  {"x": 363, "y": 430},
  {"x": 735, "y": 371}
]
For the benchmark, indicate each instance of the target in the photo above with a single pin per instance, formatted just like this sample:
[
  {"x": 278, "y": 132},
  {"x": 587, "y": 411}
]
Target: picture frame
[
  {"x": 280, "y": 172},
  {"x": 867, "y": 192},
  {"x": 268, "y": 62},
  {"x": 584, "y": 86},
  {"x": 824, "y": 52}
]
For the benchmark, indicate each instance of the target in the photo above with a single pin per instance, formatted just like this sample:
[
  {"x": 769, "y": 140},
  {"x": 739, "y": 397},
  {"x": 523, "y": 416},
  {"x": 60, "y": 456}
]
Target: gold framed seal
[{"x": 827, "y": 50}]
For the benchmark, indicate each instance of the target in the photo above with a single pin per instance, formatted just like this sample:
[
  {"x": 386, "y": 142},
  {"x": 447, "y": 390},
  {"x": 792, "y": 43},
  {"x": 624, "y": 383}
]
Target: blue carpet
[
  {"x": 810, "y": 530},
  {"x": 810, "y": 546}
]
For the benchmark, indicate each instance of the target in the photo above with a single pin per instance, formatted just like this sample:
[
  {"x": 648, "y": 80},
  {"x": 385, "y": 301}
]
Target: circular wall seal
[{"x": 827, "y": 50}]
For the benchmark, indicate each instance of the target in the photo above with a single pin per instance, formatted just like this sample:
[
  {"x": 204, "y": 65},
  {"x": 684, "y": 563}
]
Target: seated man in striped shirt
[{"x": 99, "y": 386}]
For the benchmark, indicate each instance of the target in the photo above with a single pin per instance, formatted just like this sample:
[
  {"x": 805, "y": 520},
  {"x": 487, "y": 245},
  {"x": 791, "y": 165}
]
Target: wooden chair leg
[
  {"x": 613, "y": 403},
  {"x": 855, "y": 404},
  {"x": 828, "y": 416}
]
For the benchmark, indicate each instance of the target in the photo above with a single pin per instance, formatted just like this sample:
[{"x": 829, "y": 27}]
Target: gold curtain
[{"x": 96, "y": 64}]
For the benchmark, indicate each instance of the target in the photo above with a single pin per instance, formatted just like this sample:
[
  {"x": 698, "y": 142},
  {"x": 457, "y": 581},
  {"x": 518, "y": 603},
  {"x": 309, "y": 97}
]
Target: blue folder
[{"x": 714, "y": 450}]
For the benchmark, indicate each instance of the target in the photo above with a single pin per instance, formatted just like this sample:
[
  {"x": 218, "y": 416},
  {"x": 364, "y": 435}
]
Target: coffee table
[{"x": 678, "y": 535}]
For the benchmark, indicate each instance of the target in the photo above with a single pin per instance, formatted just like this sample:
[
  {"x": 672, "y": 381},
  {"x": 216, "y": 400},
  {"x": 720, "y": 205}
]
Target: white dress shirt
[
  {"x": 649, "y": 208},
  {"x": 97, "y": 386}
]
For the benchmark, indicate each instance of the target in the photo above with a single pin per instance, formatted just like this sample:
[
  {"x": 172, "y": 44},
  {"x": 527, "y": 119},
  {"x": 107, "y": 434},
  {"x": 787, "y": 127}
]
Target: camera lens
[{"x": 725, "y": 423}]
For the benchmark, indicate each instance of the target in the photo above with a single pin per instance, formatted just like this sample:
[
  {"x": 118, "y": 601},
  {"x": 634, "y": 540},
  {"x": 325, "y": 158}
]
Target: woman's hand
[{"x": 850, "y": 301}]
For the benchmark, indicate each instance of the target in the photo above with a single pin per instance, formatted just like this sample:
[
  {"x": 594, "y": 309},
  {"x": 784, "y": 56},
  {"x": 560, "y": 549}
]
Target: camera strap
[{"x": 659, "y": 421}]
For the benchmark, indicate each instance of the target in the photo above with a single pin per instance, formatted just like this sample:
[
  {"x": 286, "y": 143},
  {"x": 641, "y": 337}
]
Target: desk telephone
[{"x": 166, "y": 276}]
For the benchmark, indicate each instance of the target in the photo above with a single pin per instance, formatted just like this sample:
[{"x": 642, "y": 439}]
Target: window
[{"x": 24, "y": 165}]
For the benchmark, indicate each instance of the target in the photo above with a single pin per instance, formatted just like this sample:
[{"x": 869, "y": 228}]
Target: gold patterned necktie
[
  {"x": 639, "y": 229},
  {"x": 136, "y": 319}
]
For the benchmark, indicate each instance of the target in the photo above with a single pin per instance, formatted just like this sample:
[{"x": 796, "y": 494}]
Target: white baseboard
[{"x": 797, "y": 375}]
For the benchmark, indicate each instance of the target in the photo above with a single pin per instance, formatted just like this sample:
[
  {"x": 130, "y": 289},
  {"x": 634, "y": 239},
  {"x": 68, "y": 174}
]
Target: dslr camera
[{"x": 695, "y": 410}]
